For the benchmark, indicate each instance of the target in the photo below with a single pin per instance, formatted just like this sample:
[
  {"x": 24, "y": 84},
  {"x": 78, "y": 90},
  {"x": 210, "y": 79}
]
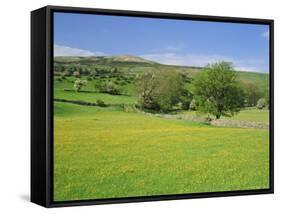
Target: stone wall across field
[
  {"x": 219, "y": 122},
  {"x": 238, "y": 123}
]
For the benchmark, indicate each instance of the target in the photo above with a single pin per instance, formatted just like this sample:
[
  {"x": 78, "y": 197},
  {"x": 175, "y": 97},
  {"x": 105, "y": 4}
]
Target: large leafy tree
[
  {"x": 218, "y": 91},
  {"x": 170, "y": 88},
  {"x": 161, "y": 91}
]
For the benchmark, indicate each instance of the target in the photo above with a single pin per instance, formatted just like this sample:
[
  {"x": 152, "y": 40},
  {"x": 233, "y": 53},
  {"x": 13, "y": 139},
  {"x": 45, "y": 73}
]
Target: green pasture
[
  {"x": 106, "y": 153},
  {"x": 64, "y": 90},
  {"x": 253, "y": 115}
]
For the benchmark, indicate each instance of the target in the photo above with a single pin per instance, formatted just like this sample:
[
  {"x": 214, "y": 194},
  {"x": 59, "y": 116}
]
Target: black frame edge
[
  {"x": 160, "y": 198},
  {"x": 150, "y": 14},
  {"x": 271, "y": 102},
  {"x": 38, "y": 108},
  {"x": 49, "y": 106}
]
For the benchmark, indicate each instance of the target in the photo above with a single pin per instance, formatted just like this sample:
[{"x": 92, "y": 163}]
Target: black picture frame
[{"x": 42, "y": 104}]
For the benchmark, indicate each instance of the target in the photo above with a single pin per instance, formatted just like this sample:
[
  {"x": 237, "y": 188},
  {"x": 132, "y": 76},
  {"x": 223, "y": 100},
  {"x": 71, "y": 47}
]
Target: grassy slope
[
  {"x": 104, "y": 153},
  {"x": 259, "y": 79}
]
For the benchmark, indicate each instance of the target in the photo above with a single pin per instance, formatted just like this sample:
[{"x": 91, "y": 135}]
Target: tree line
[{"x": 216, "y": 90}]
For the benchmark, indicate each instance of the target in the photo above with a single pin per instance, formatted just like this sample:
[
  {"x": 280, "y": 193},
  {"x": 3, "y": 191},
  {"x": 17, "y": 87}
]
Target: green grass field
[
  {"x": 253, "y": 115},
  {"x": 106, "y": 153}
]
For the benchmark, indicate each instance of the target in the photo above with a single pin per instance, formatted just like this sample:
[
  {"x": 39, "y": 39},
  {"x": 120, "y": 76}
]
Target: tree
[
  {"x": 160, "y": 91},
  {"x": 218, "y": 91},
  {"x": 71, "y": 70},
  {"x": 193, "y": 105},
  {"x": 109, "y": 87},
  {"x": 80, "y": 70},
  {"x": 146, "y": 83},
  {"x": 186, "y": 98},
  {"x": 76, "y": 74},
  {"x": 170, "y": 87},
  {"x": 261, "y": 103},
  {"x": 100, "y": 103},
  {"x": 252, "y": 93},
  {"x": 114, "y": 70},
  {"x": 93, "y": 73},
  {"x": 62, "y": 68},
  {"x": 86, "y": 71},
  {"x": 266, "y": 97},
  {"x": 59, "y": 67},
  {"x": 78, "y": 84},
  {"x": 63, "y": 75}
]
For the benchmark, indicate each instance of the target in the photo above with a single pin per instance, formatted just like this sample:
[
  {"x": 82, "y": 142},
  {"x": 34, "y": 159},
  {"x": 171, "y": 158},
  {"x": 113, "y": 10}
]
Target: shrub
[
  {"x": 100, "y": 103},
  {"x": 109, "y": 87},
  {"x": 193, "y": 105},
  {"x": 122, "y": 82},
  {"x": 63, "y": 75},
  {"x": 93, "y": 73},
  {"x": 261, "y": 103},
  {"x": 76, "y": 74},
  {"x": 178, "y": 106},
  {"x": 129, "y": 108},
  {"x": 131, "y": 79},
  {"x": 78, "y": 84}
]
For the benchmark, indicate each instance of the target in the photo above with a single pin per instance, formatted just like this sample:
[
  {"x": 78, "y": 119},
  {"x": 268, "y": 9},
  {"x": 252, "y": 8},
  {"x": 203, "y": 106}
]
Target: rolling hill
[{"x": 130, "y": 65}]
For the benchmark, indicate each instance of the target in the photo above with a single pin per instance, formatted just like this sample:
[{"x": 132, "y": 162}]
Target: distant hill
[
  {"x": 129, "y": 58},
  {"x": 125, "y": 63},
  {"x": 129, "y": 65},
  {"x": 103, "y": 59}
]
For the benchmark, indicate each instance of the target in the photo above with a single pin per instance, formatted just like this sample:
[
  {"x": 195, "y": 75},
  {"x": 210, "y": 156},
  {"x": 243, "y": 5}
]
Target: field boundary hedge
[{"x": 84, "y": 103}]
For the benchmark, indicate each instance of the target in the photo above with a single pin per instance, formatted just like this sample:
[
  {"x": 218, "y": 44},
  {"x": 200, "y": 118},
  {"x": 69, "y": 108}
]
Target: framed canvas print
[{"x": 134, "y": 106}]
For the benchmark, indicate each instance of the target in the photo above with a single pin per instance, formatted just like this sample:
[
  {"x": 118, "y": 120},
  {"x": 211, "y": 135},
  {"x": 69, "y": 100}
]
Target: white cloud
[
  {"x": 69, "y": 51},
  {"x": 177, "y": 47},
  {"x": 201, "y": 60},
  {"x": 265, "y": 34},
  {"x": 245, "y": 68},
  {"x": 168, "y": 48},
  {"x": 184, "y": 59}
]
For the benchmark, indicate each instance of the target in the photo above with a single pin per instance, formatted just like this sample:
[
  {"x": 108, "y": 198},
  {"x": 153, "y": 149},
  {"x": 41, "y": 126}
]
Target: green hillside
[{"x": 131, "y": 65}]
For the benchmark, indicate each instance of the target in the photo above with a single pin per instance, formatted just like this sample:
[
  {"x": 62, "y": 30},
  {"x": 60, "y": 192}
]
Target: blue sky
[{"x": 177, "y": 42}]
